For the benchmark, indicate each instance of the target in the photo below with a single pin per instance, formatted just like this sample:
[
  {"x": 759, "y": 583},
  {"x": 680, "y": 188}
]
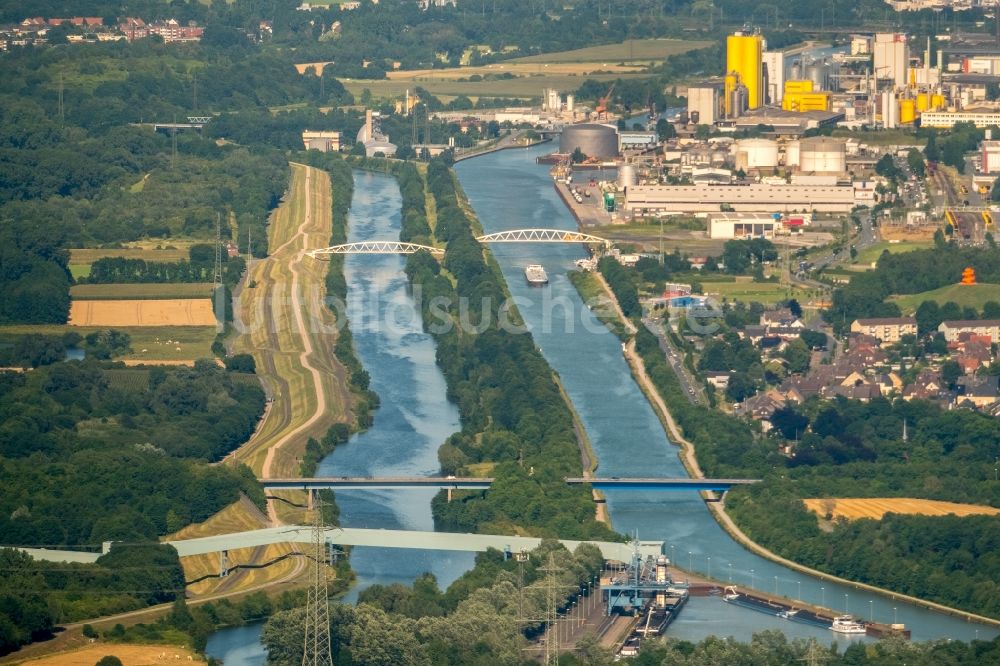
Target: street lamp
[
  {"x": 871, "y": 610},
  {"x": 845, "y": 602},
  {"x": 822, "y": 592},
  {"x": 775, "y": 585},
  {"x": 709, "y": 566},
  {"x": 894, "y": 615},
  {"x": 751, "y": 579},
  {"x": 689, "y": 562},
  {"x": 799, "y": 583}
]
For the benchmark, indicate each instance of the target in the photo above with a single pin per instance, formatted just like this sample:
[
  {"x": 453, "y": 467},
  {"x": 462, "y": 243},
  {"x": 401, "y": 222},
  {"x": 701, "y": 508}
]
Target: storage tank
[
  {"x": 822, "y": 154},
  {"x": 592, "y": 139},
  {"x": 627, "y": 176},
  {"x": 819, "y": 74},
  {"x": 792, "y": 154},
  {"x": 923, "y": 102},
  {"x": 760, "y": 153},
  {"x": 907, "y": 111},
  {"x": 937, "y": 102}
]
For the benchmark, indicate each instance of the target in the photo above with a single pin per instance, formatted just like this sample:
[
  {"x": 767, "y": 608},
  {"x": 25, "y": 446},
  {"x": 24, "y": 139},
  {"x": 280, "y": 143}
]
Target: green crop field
[
  {"x": 973, "y": 295},
  {"x": 522, "y": 86},
  {"x": 871, "y": 254},
  {"x": 168, "y": 343},
  {"x": 88, "y": 256},
  {"x": 632, "y": 50},
  {"x": 146, "y": 291}
]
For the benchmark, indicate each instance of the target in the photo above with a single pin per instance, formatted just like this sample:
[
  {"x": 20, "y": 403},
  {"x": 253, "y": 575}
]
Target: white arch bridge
[{"x": 512, "y": 236}]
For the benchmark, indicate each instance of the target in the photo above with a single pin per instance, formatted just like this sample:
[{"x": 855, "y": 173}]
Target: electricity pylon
[{"x": 317, "y": 650}]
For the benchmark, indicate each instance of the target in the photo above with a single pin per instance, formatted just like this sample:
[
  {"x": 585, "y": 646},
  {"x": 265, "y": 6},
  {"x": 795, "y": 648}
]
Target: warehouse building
[{"x": 680, "y": 199}]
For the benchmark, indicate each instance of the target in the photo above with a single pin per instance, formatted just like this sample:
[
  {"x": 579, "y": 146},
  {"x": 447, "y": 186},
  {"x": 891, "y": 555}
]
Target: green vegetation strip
[{"x": 153, "y": 291}]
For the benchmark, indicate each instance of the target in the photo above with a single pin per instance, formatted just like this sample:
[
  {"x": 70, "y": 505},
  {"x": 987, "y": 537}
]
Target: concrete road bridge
[
  {"x": 512, "y": 236},
  {"x": 482, "y": 483},
  {"x": 349, "y": 536}
]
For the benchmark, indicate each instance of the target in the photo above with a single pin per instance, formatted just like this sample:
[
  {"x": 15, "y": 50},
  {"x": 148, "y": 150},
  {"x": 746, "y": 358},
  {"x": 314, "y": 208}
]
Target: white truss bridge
[
  {"x": 375, "y": 247},
  {"x": 543, "y": 236},
  {"x": 512, "y": 236}
]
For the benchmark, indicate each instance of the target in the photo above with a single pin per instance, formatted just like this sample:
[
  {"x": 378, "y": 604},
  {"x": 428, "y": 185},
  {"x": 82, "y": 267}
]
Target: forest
[
  {"x": 908, "y": 273},
  {"x": 474, "y": 621},
  {"x": 123, "y": 447}
]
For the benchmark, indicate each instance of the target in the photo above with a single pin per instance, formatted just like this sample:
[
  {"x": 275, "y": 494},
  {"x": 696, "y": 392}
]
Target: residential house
[
  {"x": 885, "y": 329},
  {"x": 978, "y": 392},
  {"x": 984, "y": 327},
  {"x": 927, "y": 386},
  {"x": 718, "y": 379}
]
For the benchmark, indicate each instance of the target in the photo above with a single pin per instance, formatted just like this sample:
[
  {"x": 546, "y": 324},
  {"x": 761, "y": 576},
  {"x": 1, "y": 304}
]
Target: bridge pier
[
  {"x": 310, "y": 498},
  {"x": 223, "y": 564}
]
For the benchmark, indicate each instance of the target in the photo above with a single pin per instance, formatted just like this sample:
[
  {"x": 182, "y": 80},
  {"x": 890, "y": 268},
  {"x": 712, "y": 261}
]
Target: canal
[
  {"x": 509, "y": 191},
  {"x": 414, "y": 418}
]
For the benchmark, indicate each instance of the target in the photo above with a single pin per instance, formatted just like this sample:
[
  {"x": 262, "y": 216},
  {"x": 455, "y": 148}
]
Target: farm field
[
  {"x": 149, "y": 291},
  {"x": 563, "y": 70},
  {"x": 90, "y": 255},
  {"x": 172, "y": 344},
  {"x": 629, "y": 51},
  {"x": 291, "y": 333},
  {"x": 129, "y": 313},
  {"x": 80, "y": 259},
  {"x": 524, "y": 86},
  {"x": 876, "y": 507},
  {"x": 133, "y": 655},
  {"x": 973, "y": 295}
]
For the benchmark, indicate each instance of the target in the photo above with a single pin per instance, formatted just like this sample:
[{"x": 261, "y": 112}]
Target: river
[
  {"x": 509, "y": 191},
  {"x": 414, "y": 418}
]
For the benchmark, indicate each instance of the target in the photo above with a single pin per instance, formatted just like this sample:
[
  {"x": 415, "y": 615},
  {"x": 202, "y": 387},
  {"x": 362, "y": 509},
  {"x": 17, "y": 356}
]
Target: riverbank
[{"x": 716, "y": 505}]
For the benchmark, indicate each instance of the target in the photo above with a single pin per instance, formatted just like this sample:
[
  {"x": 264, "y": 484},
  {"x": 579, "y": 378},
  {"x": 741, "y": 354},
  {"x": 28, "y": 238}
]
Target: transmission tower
[
  {"x": 551, "y": 611},
  {"x": 217, "y": 275},
  {"x": 815, "y": 655},
  {"x": 317, "y": 650}
]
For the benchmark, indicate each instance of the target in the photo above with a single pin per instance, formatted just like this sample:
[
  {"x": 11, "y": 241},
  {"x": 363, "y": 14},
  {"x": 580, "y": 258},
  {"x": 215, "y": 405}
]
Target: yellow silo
[
  {"x": 907, "y": 111},
  {"x": 923, "y": 102},
  {"x": 937, "y": 102},
  {"x": 744, "y": 57}
]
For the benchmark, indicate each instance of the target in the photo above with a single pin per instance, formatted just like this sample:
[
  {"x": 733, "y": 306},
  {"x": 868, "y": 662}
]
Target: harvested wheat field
[
  {"x": 161, "y": 312},
  {"x": 876, "y": 507},
  {"x": 130, "y": 655}
]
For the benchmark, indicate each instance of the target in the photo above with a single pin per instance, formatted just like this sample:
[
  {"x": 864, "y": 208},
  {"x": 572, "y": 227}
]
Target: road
[{"x": 689, "y": 384}]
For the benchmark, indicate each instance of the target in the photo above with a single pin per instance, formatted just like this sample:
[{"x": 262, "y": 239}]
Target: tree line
[
  {"x": 513, "y": 416},
  {"x": 481, "y": 618}
]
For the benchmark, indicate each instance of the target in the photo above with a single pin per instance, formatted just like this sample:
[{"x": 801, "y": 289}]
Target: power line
[{"x": 317, "y": 651}]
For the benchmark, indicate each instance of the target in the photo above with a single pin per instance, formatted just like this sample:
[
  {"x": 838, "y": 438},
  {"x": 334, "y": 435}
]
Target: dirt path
[
  {"x": 302, "y": 332},
  {"x": 291, "y": 333}
]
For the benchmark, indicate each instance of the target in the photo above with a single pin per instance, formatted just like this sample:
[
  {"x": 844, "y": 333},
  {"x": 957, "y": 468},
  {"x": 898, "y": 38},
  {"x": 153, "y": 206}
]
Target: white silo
[
  {"x": 821, "y": 154},
  {"x": 792, "y": 154},
  {"x": 760, "y": 153},
  {"x": 569, "y": 102},
  {"x": 627, "y": 176}
]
